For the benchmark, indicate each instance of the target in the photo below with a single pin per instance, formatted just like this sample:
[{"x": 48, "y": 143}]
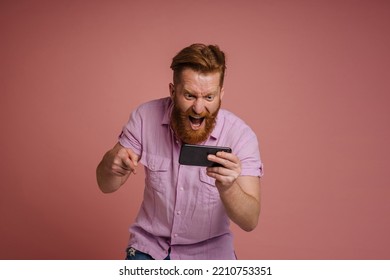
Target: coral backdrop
[{"x": 310, "y": 77}]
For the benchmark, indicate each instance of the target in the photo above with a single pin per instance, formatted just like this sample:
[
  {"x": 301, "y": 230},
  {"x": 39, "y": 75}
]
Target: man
[{"x": 186, "y": 209}]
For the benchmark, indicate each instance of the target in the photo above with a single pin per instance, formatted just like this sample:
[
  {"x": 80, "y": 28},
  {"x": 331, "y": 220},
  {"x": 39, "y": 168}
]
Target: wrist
[{"x": 226, "y": 190}]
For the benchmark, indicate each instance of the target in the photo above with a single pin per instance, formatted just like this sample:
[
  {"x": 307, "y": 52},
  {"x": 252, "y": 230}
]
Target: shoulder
[
  {"x": 232, "y": 122},
  {"x": 154, "y": 109},
  {"x": 239, "y": 136},
  {"x": 229, "y": 116},
  {"x": 233, "y": 131},
  {"x": 156, "y": 104}
]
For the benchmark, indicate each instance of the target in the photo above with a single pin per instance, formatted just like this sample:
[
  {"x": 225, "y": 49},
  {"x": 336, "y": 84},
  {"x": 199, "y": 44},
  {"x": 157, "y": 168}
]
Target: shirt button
[
  {"x": 178, "y": 212},
  {"x": 181, "y": 188},
  {"x": 175, "y": 235}
]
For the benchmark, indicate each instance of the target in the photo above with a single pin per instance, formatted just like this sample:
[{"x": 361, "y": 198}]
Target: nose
[{"x": 198, "y": 106}]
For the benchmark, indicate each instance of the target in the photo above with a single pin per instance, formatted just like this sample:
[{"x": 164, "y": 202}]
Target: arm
[
  {"x": 115, "y": 168},
  {"x": 239, "y": 194}
]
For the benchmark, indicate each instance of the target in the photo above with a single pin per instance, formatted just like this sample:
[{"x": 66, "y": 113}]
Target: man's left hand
[{"x": 226, "y": 174}]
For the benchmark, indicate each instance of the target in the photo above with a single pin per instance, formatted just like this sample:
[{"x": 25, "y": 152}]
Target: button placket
[{"x": 178, "y": 208}]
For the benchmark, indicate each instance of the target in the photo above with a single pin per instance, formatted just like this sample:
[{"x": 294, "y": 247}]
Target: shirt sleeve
[
  {"x": 131, "y": 135},
  {"x": 249, "y": 154},
  {"x": 246, "y": 147}
]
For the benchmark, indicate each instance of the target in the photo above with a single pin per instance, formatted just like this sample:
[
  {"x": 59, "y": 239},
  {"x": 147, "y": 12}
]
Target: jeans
[{"x": 133, "y": 254}]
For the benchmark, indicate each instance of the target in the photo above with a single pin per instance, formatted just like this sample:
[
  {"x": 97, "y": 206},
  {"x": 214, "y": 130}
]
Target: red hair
[{"x": 201, "y": 58}]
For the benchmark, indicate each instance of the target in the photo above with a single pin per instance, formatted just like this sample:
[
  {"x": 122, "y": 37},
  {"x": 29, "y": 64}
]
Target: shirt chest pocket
[
  {"x": 209, "y": 192},
  {"x": 156, "y": 172}
]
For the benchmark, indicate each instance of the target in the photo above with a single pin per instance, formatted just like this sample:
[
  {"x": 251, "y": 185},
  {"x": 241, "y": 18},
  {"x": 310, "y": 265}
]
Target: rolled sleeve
[{"x": 130, "y": 136}]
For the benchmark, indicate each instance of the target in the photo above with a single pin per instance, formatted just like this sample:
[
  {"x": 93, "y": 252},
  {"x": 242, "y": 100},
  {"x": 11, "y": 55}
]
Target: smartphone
[{"x": 197, "y": 154}]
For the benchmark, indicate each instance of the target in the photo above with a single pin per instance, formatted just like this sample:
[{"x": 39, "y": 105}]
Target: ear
[
  {"x": 171, "y": 90},
  {"x": 222, "y": 92}
]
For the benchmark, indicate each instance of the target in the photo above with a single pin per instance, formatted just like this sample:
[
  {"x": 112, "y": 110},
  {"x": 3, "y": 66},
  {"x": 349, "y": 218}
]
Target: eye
[
  {"x": 188, "y": 96},
  {"x": 209, "y": 97}
]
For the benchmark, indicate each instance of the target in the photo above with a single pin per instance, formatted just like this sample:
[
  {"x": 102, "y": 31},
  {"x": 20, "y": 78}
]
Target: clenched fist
[{"x": 115, "y": 167}]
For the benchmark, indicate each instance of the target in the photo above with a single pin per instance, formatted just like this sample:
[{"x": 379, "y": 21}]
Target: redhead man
[{"x": 186, "y": 210}]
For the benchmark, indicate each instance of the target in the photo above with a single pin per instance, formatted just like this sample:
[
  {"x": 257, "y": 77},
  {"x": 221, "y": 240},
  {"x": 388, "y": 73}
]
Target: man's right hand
[
  {"x": 115, "y": 167},
  {"x": 122, "y": 161}
]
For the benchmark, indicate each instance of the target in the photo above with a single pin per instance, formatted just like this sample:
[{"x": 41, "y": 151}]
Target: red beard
[{"x": 180, "y": 122}]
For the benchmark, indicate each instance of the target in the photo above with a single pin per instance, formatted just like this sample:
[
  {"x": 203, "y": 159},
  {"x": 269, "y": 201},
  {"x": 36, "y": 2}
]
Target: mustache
[{"x": 190, "y": 113}]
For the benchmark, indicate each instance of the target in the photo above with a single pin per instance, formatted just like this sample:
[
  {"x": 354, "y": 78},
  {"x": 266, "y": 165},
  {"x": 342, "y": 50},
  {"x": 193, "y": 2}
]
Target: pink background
[{"x": 310, "y": 77}]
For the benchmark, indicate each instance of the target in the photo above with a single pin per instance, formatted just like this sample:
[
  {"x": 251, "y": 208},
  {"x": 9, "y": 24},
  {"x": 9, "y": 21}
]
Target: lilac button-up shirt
[{"x": 181, "y": 208}]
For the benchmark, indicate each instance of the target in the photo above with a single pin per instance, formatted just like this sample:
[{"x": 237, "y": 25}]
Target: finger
[
  {"x": 225, "y": 180},
  {"x": 222, "y": 161},
  {"x": 121, "y": 164},
  {"x": 118, "y": 167},
  {"x": 125, "y": 162},
  {"x": 220, "y": 171},
  {"x": 214, "y": 158},
  {"x": 133, "y": 156},
  {"x": 124, "y": 159},
  {"x": 118, "y": 170},
  {"x": 228, "y": 156}
]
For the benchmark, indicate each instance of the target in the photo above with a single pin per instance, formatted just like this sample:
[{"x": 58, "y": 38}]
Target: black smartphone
[{"x": 197, "y": 154}]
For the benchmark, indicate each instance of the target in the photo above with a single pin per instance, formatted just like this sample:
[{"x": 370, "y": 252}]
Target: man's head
[{"x": 198, "y": 74}]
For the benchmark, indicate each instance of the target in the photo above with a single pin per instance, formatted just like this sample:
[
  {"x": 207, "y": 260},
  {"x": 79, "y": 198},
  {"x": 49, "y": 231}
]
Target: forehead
[{"x": 198, "y": 82}]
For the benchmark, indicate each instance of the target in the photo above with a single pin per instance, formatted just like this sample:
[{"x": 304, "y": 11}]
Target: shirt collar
[
  {"x": 167, "y": 115},
  {"x": 218, "y": 125}
]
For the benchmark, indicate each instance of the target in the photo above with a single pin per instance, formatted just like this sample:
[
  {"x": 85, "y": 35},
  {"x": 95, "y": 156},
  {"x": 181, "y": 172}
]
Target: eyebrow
[{"x": 209, "y": 93}]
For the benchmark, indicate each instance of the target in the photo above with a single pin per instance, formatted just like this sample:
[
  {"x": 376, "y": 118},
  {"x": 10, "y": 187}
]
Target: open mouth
[{"x": 196, "y": 122}]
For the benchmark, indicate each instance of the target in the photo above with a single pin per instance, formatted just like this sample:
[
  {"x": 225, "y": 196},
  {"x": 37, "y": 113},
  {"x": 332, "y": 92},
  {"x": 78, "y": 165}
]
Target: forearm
[{"x": 241, "y": 207}]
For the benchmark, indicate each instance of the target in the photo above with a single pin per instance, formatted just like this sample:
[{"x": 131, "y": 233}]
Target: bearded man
[{"x": 186, "y": 210}]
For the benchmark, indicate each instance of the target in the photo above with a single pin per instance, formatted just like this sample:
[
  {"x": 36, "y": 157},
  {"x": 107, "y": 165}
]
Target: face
[{"x": 197, "y": 99}]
